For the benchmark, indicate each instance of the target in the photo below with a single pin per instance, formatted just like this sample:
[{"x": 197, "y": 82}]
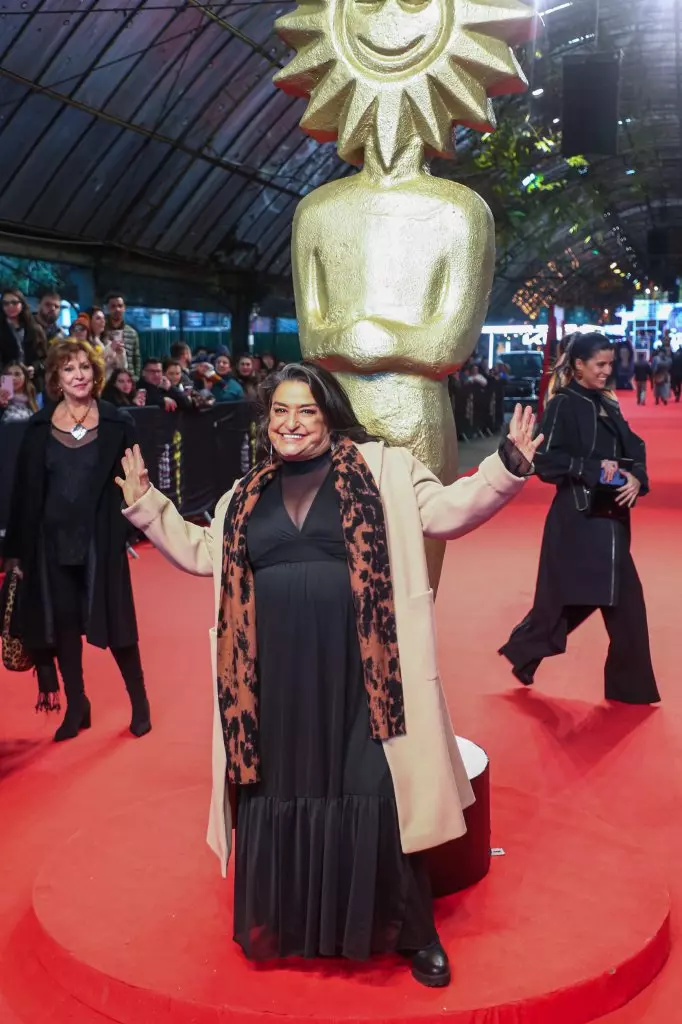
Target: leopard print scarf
[{"x": 364, "y": 530}]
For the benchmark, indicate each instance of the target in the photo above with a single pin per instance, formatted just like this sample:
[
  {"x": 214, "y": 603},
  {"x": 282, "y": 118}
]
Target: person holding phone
[
  {"x": 598, "y": 466},
  {"x": 17, "y": 394}
]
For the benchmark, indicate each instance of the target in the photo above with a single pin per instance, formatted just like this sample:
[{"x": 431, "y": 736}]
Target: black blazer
[
  {"x": 111, "y": 612},
  {"x": 581, "y": 556}
]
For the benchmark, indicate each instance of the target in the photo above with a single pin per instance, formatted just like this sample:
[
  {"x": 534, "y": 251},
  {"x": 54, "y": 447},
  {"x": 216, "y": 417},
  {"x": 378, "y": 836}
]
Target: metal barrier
[
  {"x": 194, "y": 458},
  {"x": 479, "y": 411}
]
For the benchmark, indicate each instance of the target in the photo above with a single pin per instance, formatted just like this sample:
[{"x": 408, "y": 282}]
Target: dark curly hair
[{"x": 333, "y": 402}]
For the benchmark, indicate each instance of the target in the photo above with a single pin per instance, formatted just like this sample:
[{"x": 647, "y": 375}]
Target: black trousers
[
  {"x": 628, "y": 673},
  {"x": 68, "y": 592}
]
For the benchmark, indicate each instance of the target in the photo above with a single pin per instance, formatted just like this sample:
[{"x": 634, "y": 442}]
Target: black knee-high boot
[
  {"x": 130, "y": 667},
  {"x": 69, "y": 647}
]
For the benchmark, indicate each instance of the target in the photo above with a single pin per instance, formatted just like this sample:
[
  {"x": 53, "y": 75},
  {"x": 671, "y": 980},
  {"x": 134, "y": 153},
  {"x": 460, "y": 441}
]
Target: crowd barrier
[
  {"x": 478, "y": 410},
  {"x": 194, "y": 458}
]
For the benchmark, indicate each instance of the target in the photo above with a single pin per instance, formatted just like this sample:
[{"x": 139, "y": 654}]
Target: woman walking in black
[
  {"x": 598, "y": 466},
  {"x": 67, "y": 539}
]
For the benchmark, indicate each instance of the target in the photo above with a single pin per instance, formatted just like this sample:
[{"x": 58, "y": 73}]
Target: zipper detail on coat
[
  {"x": 613, "y": 541},
  {"x": 585, "y": 490}
]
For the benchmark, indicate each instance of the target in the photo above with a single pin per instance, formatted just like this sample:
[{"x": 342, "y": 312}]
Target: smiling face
[
  {"x": 380, "y": 73},
  {"x": 392, "y": 36},
  {"x": 76, "y": 377},
  {"x": 596, "y": 372},
  {"x": 297, "y": 427}
]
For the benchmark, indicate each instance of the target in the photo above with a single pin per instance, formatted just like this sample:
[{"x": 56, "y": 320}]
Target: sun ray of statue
[{"x": 392, "y": 266}]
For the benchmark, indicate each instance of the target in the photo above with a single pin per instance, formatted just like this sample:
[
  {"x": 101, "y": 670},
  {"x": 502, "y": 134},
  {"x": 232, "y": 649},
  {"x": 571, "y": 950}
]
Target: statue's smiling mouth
[{"x": 374, "y": 49}]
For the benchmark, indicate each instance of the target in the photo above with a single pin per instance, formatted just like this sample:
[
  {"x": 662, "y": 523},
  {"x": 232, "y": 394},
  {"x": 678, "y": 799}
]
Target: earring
[{"x": 271, "y": 449}]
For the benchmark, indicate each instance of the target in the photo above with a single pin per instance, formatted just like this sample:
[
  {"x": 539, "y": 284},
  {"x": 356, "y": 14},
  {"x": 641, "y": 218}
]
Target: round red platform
[{"x": 134, "y": 922}]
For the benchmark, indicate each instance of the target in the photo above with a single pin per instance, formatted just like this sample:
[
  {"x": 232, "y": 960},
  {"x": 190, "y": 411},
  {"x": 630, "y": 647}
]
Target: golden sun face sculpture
[{"x": 382, "y": 71}]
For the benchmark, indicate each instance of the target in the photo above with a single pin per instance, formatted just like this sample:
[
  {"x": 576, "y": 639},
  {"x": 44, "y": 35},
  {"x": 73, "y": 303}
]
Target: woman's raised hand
[
  {"x": 136, "y": 482},
  {"x": 521, "y": 430}
]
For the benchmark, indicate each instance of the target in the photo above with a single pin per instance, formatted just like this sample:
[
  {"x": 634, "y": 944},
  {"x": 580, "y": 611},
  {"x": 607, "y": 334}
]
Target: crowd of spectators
[
  {"x": 661, "y": 372},
  {"x": 183, "y": 381}
]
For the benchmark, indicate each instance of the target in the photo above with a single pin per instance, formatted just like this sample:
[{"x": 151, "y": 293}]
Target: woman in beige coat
[{"x": 331, "y": 723}]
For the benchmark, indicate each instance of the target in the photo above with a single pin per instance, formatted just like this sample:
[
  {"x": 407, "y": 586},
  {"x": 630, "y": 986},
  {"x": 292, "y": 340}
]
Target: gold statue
[{"x": 393, "y": 267}]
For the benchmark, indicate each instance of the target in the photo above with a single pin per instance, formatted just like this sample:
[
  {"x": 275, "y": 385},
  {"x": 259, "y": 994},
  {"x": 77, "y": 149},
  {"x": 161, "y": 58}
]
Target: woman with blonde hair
[
  {"x": 598, "y": 466},
  {"x": 67, "y": 540}
]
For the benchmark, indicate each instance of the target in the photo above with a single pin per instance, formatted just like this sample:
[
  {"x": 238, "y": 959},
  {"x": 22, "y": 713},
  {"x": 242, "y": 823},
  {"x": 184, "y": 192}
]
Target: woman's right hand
[
  {"x": 4, "y": 399},
  {"x": 136, "y": 482},
  {"x": 610, "y": 469}
]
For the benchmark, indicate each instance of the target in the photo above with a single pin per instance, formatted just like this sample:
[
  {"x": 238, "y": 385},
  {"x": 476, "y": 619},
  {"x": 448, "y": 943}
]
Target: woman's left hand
[
  {"x": 627, "y": 494},
  {"x": 521, "y": 431}
]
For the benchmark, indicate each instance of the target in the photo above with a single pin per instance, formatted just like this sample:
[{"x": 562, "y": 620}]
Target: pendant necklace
[{"x": 78, "y": 431}]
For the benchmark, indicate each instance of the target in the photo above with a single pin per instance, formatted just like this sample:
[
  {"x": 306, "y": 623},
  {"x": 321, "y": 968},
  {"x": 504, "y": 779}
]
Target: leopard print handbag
[{"x": 15, "y": 657}]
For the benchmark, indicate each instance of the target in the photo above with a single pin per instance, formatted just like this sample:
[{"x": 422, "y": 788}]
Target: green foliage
[{"x": 31, "y": 276}]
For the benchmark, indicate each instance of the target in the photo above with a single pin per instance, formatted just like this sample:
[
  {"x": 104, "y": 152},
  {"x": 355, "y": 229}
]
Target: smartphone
[
  {"x": 618, "y": 481},
  {"x": 7, "y": 384}
]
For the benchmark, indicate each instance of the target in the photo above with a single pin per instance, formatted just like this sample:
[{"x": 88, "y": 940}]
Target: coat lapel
[{"x": 110, "y": 437}]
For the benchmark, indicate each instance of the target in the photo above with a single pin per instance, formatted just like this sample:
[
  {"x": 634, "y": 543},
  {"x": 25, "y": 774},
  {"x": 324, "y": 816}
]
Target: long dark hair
[
  {"x": 577, "y": 346},
  {"x": 333, "y": 402},
  {"x": 112, "y": 394},
  {"x": 35, "y": 344}
]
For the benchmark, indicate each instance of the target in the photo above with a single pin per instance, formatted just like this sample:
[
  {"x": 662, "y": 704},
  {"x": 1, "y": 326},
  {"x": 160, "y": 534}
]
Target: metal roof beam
[{"x": 224, "y": 164}]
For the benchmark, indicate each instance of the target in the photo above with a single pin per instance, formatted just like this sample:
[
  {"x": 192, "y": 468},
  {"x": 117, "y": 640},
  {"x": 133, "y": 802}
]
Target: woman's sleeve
[
  {"x": 187, "y": 546},
  {"x": 450, "y": 512},
  {"x": 554, "y": 462},
  {"x": 636, "y": 450}
]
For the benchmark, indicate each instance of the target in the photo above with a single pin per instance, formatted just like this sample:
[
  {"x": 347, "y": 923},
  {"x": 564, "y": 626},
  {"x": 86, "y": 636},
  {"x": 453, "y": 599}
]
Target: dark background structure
[{"x": 144, "y": 139}]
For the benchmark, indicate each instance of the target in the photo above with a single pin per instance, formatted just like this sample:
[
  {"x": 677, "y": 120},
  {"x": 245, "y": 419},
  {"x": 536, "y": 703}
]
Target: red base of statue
[{"x": 131, "y": 923}]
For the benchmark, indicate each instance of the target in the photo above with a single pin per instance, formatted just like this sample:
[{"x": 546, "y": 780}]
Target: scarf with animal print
[{"x": 364, "y": 531}]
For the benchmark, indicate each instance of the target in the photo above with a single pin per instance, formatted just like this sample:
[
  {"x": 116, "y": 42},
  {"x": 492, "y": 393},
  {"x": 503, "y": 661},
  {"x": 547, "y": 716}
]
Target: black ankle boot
[
  {"x": 141, "y": 722},
  {"x": 78, "y": 717},
  {"x": 524, "y": 675},
  {"x": 431, "y": 967}
]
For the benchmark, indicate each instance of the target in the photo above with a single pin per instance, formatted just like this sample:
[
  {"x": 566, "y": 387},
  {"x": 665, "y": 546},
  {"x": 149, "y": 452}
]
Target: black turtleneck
[
  {"x": 609, "y": 443},
  {"x": 301, "y": 480}
]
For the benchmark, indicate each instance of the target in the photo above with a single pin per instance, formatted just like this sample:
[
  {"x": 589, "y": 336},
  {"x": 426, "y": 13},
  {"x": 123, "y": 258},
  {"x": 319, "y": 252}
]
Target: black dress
[
  {"x": 319, "y": 868},
  {"x": 585, "y": 561}
]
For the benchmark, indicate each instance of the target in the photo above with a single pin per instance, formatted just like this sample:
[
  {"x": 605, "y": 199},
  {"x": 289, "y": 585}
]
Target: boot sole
[{"x": 432, "y": 981}]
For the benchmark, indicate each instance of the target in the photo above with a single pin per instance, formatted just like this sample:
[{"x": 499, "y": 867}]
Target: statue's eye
[{"x": 414, "y": 5}]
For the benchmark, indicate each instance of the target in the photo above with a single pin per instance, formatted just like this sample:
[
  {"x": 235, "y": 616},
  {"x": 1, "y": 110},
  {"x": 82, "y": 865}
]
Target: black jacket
[
  {"x": 111, "y": 612},
  {"x": 156, "y": 396},
  {"x": 581, "y": 553}
]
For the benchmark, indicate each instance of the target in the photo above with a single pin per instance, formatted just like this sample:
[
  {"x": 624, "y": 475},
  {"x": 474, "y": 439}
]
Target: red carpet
[{"x": 559, "y": 746}]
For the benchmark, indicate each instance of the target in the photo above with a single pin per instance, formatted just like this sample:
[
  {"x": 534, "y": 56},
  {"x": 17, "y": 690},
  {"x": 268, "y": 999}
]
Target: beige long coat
[{"x": 429, "y": 779}]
